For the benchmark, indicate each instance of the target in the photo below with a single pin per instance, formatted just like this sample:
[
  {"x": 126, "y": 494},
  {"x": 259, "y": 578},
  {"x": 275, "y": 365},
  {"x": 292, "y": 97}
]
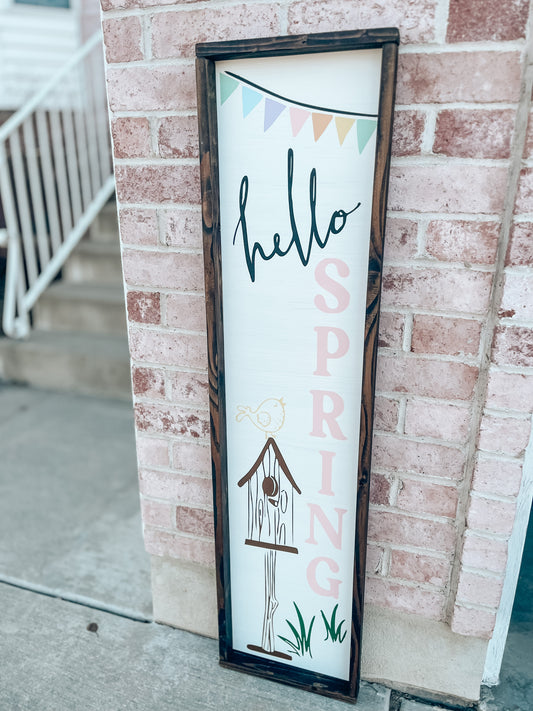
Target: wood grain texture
[{"x": 207, "y": 54}]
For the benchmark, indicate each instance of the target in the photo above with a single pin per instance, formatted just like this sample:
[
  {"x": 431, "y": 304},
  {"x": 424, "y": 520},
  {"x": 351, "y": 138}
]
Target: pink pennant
[{"x": 298, "y": 118}]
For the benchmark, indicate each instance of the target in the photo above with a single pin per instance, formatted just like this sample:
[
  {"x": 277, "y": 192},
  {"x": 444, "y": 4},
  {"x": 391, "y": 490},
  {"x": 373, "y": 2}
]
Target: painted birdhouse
[{"x": 270, "y": 501}]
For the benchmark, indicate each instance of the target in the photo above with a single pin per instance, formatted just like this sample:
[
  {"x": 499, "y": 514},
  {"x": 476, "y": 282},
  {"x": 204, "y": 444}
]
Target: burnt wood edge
[
  {"x": 375, "y": 269},
  {"x": 298, "y": 44},
  {"x": 209, "y": 180},
  {"x": 299, "y": 678}
]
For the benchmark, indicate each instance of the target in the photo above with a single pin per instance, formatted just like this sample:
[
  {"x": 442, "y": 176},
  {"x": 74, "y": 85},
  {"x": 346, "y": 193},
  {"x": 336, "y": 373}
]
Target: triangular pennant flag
[
  {"x": 343, "y": 125},
  {"x": 272, "y": 110},
  {"x": 227, "y": 87},
  {"x": 250, "y": 99},
  {"x": 365, "y": 129},
  {"x": 298, "y": 118},
  {"x": 320, "y": 123}
]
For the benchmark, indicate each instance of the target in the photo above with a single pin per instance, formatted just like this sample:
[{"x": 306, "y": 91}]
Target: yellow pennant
[{"x": 343, "y": 127}]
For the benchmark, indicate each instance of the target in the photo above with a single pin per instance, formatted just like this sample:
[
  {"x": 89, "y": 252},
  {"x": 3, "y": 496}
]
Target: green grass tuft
[
  {"x": 333, "y": 631},
  {"x": 302, "y": 638}
]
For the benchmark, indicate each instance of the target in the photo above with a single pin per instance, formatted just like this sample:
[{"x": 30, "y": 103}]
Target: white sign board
[{"x": 296, "y": 144}]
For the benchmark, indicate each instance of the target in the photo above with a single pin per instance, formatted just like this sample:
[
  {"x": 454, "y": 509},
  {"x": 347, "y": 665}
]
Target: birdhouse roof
[{"x": 271, "y": 442}]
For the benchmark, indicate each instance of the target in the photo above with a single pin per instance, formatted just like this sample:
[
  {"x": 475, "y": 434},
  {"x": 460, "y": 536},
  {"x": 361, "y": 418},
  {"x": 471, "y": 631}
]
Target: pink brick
[
  {"x": 160, "y": 88},
  {"x": 164, "y": 270},
  {"x": 458, "y": 76},
  {"x": 165, "y": 348},
  {"x": 152, "y": 452},
  {"x": 405, "y": 530},
  {"x": 178, "y": 137},
  {"x": 374, "y": 556},
  {"x": 144, "y": 307},
  {"x": 517, "y": 300},
  {"x": 122, "y": 39},
  {"x": 443, "y": 421},
  {"x": 397, "y": 454},
  {"x": 408, "y": 132},
  {"x": 419, "y": 568},
  {"x": 169, "y": 419},
  {"x": 391, "y": 327},
  {"x": 164, "y": 543},
  {"x": 504, "y": 434},
  {"x": 446, "y": 336},
  {"x": 174, "y": 34},
  {"x": 479, "y": 589},
  {"x": 176, "y": 488},
  {"x": 416, "y": 19},
  {"x": 131, "y": 137},
  {"x": 473, "y": 623},
  {"x": 520, "y": 253},
  {"x": 491, "y": 515},
  {"x": 510, "y": 390},
  {"x": 157, "y": 513},
  {"x": 484, "y": 553},
  {"x": 496, "y": 476},
  {"x": 441, "y": 289},
  {"x": 418, "y": 601},
  {"x": 524, "y": 199},
  {"x": 379, "y": 489},
  {"x": 427, "y": 378},
  {"x": 386, "y": 414},
  {"x": 186, "y": 311},
  {"x": 189, "y": 387},
  {"x": 422, "y": 498},
  {"x": 447, "y": 187},
  {"x": 148, "y": 382},
  {"x": 513, "y": 346},
  {"x": 474, "y": 133},
  {"x": 157, "y": 183},
  {"x": 182, "y": 228},
  {"x": 138, "y": 226},
  {"x": 195, "y": 521},
  {"x": 130, "y": 4},
  {"x": 192, "y": 457},
  {"x": 400, "y": 239},
  {"x": 463, "y": 241},
  {"x": 477, "y": 20}
]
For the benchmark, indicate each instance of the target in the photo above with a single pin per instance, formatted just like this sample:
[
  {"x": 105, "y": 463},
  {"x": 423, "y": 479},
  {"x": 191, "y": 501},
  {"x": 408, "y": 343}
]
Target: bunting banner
[{"x": 273, "y": 106}]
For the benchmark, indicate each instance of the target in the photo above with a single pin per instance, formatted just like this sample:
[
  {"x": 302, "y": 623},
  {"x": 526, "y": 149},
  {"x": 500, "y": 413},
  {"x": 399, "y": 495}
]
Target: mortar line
[{"x": 491, "y": 322}]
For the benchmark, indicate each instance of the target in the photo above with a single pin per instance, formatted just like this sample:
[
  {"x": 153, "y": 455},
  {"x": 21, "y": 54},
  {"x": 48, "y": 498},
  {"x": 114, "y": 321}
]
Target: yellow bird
[{"x": 269, "y": 416}]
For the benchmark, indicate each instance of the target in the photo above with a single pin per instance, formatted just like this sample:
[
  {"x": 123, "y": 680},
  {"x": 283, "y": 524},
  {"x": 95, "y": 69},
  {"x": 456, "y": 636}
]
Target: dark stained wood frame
[{"x": 207, "y": 54}]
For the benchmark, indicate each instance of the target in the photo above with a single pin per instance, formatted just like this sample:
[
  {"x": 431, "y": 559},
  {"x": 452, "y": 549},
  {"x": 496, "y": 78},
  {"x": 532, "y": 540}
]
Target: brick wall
[{"x": 456, "y": 359}]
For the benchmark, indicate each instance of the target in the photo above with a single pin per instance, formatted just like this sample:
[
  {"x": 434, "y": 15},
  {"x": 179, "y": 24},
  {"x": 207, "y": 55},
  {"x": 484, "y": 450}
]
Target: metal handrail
[{"x": 56, "y": 174}]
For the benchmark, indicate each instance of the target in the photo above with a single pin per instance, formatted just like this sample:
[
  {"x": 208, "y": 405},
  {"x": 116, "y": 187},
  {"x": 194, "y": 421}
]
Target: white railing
[{"x": 56, "y": 174}]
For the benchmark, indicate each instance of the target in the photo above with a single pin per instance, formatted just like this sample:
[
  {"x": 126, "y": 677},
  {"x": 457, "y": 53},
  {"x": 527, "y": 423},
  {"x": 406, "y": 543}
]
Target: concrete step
[
  {"x": 105, "y": 225},
  {"x": 75, "y": 362},
  {"x": 94, "y": 262},
  {"x": 88, "y": 308}
]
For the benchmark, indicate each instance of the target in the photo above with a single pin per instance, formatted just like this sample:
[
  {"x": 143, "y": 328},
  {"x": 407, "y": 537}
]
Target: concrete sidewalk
[{"x": 75, "y": 629}]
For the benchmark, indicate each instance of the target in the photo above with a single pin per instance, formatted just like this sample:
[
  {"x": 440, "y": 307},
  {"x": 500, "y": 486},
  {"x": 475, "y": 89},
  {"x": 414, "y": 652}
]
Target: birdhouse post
[{"x": 270, "y": 491}]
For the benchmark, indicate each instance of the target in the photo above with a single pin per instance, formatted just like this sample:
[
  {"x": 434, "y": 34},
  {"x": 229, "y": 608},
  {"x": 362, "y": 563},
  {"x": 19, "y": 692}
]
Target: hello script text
[{"x": 336, "y": 224}]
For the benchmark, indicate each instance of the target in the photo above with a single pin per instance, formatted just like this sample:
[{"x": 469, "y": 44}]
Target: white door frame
[{"x": 496, "y": 648}]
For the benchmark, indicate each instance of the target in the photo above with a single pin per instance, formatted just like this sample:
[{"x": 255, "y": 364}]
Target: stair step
[
  {"x": 88, "y": 308},
  {"x": 105, "y": 225},
  {"x": 94, "y": 262},
  {"x": 75, "y": 362}
]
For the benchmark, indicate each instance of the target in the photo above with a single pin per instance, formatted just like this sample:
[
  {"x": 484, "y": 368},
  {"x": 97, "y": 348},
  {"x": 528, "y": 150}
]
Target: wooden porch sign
[{"x": 295, "y": 142}]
